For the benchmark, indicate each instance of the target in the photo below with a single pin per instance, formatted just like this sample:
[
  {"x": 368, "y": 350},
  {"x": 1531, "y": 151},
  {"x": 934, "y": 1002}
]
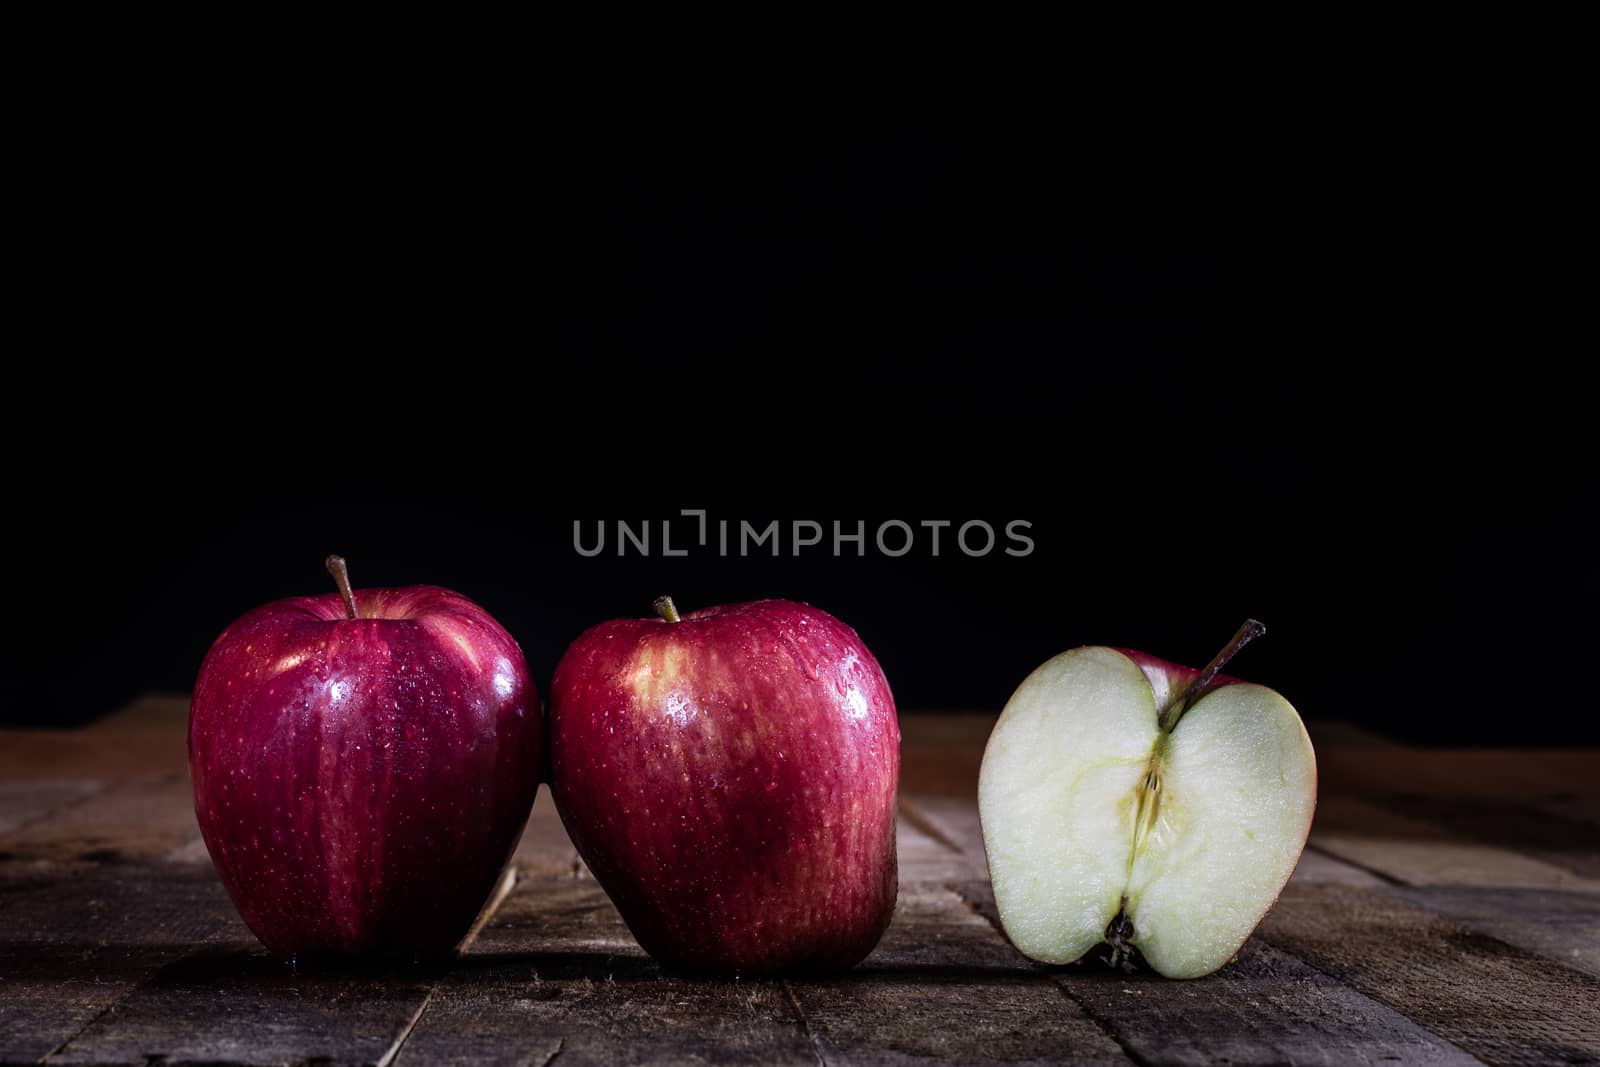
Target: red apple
[
  {"x": 729, "y": 777},
  {"x": 363, "y": 766}
]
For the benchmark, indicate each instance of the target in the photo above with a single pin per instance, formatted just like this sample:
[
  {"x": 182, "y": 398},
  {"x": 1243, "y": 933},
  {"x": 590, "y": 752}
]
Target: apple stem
[
  {"x": 667, "y": 609},
  {"x": 341, "y": 577},
  {"x": 1208, "y": 674}
]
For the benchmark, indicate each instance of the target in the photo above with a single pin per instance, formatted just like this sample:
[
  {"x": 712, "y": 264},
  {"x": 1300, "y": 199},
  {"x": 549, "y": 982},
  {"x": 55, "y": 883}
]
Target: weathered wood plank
[
  {"x": 24, "y": 802},
  {"x": 236, "y": 1004},
  {"x": 232, "y": 1002},
  {"x": 138, "y": 820},
  {"x": 145, "y": 739},
  {"x": 1315, "y": 866},
  {"x": 1522, "y": 775},
  {"x": 555, "y": 971},
  {"x": 1489, "y": 943},
  {"x": 925, "y": 855},
  {"x": 940, "y": 754},
  {"x": 1570, "y": 806},
  {"x": 1418, "y": 852},
  {"x": 944, "y": 985},
  {"x": 545, "y": 851},
  {"x": 1496, "y": 1001},
  {"x": 1560, "y": 926},
  {"x": 1265, "y": 1008},
  {"x": 71, "y": 948},
  {"x": 1571, "y": 844},
  {"x": 163, "y": 715},
  {"x": 953, "y": 820}
]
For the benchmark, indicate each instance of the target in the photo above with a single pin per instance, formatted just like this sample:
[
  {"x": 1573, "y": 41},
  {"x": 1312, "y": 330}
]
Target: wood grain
[
  {"x": 72, "y": 948},
  {"x": 22, "y": 803},
  {"x": 131, "y": 821},
  {"x": 1498, "y": 1002},
  {"x": 943, "y": 985},
  {"x": 231, "y": 1002},
  {"x": 1560, "y": 926},
  {"x": 953, "y": 821},
  {"x": 1521, "y": 775},
  {"x": 1421, "y": 852},
  {"x": 1267, "y": 1007},
  {"x": 545, "y": 850},
  {"x": 1566, "y": 843},
  {"x": 144, "y": 740},
  {"x": 1446, "y": 912},
  {"x": 235, "y": 1004},
  {"x": 555, "y": 972},
  {"x": 926, "y": 854}
]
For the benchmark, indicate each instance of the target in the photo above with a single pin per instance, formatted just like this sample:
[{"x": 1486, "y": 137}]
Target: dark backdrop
[{"x": 1224, "y": 368}]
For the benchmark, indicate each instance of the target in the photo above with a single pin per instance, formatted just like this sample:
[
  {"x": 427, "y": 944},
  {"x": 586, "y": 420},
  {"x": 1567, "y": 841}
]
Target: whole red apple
[
  {"x": 363, "y": 765},
  {"x": 729, "y": 777}
]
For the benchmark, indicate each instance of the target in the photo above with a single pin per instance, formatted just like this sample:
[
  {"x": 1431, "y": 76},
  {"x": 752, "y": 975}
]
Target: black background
[{"x": 1274, "y": 361}]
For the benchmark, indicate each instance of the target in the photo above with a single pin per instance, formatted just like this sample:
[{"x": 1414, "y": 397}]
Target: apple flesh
[
  {"x": 360, "y": 782},
  {"x": 1128, "y": 799},
  {"x": 730, "y": 779}
]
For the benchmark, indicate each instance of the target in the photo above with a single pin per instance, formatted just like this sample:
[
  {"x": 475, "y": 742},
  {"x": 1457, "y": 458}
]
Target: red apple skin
[
  {"x": 730, "y": 780},
  {"x": 361, "y": 783},
  {"x": 1165, "y": 677}
]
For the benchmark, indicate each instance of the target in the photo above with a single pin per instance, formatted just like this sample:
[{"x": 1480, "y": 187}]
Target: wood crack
[
  {"x": 1104, "y": 1026},
  {"x": 1378, "y": 873},
  {"x": 502, "y": 889},
  {"x": 101, "y": 1014},
  {"x": 926, "y": 826},
  {"x": 1100, "y": 1023},
  {"x": 805, "y": 1024},
  {"x": 65, "y": 806},
  {"x": 388, "y": 1058}
]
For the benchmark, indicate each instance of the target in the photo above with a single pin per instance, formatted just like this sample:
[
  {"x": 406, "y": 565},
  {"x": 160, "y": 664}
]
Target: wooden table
[{"x": 1447, "y": 911}]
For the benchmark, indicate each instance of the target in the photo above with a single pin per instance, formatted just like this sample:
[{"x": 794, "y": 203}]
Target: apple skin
[
  {"x": 361, "y": 783},
  {"x": 1166, "y": 677},
  {"x": 730, "y": 779}
]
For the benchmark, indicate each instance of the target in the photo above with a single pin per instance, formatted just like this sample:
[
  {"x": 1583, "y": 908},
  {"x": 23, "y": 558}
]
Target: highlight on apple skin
[
  {"x": 1131, "y": 801},
  {"x": 730, "y": 778},
  {"x": 363, "y": 764}
]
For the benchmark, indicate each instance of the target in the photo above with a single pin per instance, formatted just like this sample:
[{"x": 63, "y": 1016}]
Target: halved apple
[{"x": 1132, "y": 801}]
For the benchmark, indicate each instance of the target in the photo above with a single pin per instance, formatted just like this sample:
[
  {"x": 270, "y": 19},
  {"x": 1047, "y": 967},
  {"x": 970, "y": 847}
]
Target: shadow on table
[{"x": 245, "y": 968}]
